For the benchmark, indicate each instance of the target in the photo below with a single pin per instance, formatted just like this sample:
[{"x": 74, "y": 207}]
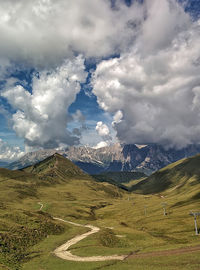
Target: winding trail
[{"x": 63, "y": 253}]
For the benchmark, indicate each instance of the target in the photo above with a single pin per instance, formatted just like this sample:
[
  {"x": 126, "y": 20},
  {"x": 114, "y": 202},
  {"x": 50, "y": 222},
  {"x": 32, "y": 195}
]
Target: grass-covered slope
[
  {"x": 119, "y": 177},
  {"x": 136, "y": 222},
  {"x": 19, "y": 227},
  {"x": 181, "y": 176},
  {"x": 65, "y": 191},
  {"x": 56, "y": 166},
  {"x": 128, "y": 222},
  {"x": 122, "y": 180}
]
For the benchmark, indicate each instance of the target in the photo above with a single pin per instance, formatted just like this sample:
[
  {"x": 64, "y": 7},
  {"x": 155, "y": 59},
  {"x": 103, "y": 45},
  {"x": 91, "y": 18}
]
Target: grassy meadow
[
  {"x": 132, "y": 231},
  {"x": 129, "y": 223}
]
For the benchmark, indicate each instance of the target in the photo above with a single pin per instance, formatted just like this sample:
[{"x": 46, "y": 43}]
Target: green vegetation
[
  {"x": 128, "y": 222},
  {"x": 29, "y": 229},
  {"x": 64, "y": 190},
  {"x": 119, "y": 177},
  {"x": 56, "y": 168},
  {"x": 107, "y": 238},
  {"x": 177, "y": 177}
]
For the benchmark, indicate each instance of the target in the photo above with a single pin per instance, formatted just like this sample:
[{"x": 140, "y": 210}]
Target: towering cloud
[
  {"x": 103, "y": 130},
  {"x": 41, "y": 116},
  {"x": 149, "y": 82},
  {"x": 39, "y": 34},
  {"x": 154, "y": 89},
  {"x": 43, "y": 32}
]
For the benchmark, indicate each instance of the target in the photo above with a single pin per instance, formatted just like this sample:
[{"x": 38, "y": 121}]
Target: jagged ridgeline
[
  {"x": 114, "y": 158},
  {"x": 64, "y": 189},
  {"x": 56, "y": 167}
]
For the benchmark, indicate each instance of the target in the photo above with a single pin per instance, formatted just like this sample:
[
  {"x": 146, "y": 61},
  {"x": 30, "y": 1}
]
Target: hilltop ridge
[
  {"x": 56, "y": 166},
  {"x": 178, "y": 177}
]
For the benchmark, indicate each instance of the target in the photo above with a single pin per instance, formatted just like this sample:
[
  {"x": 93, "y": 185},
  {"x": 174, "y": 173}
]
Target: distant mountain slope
[
  {"x": 6, "y": 174},
  {"x": 3, "y": 164},
  {"x": 54, "y": 169},
  {"x": 115, "y": 158},
  {"x": 56, "y": 166},
  {"x": 31, "y": 159},
  {"x": 181, "y": 176},
  {"x": 119, "y": 177}
]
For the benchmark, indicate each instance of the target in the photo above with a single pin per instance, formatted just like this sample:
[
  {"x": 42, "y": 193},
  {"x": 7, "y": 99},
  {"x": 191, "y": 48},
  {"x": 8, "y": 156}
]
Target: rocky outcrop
[{"x": 130, "y": 157}]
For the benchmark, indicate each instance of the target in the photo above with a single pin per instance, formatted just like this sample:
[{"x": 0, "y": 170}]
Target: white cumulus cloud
[
  {"x": 41, "y": 117},
  {"x": 103, "y": 130},
  {"x": 153, "y": 89},
  {"x": 43, "y": 32},
  {"x": 117, "y": 118},
  {"x": 9, "y": 153},
  {"x": 101, "y": 145}
]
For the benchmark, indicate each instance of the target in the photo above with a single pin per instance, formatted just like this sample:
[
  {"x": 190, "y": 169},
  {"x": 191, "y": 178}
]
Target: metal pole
[
  {"x": 195, "y": 224},
  {"x": 164, "y": 208},
  {"x": 195, "y": 214}
]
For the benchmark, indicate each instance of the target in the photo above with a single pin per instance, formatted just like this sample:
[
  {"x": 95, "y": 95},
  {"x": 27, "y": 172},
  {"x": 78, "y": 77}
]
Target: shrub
[{"x": 107, "y": 238}]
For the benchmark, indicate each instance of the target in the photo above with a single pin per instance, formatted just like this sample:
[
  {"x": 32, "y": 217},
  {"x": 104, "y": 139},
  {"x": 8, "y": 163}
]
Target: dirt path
[
  {"x": 63, "y": 253},
  {"x": 165, "y": 252}
]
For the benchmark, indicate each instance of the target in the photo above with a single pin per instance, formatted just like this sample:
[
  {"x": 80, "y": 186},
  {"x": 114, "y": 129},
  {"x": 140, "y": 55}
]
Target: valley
[
  {"x": 100, "y": 135},
  {"x": 130, "y": 223}
]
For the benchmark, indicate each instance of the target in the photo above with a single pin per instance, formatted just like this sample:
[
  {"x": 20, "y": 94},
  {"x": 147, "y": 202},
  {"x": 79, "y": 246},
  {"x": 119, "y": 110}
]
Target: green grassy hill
[
  {"x": 128, "y": 222},
  {"x": 64, "y": 189},
  {"x": 119, "y": 177},
  {"x": 178, "y": 177},
  {"x": 56, "y": 167}
]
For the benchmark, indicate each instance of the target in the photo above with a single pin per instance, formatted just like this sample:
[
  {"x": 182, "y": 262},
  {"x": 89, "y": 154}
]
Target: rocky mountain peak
[{"x": 116, "y": 157}]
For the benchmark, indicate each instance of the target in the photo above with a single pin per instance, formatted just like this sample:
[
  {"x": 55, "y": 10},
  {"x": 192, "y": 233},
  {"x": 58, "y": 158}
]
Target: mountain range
[{"x": 114, "y": 158}]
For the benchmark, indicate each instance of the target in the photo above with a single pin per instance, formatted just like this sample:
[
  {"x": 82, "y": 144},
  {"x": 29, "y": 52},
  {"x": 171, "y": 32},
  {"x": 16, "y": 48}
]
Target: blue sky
[{"x": 110, "y": 62}]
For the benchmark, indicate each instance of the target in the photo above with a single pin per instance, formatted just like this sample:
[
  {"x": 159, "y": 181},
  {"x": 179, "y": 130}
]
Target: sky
[{"x": 98, "y": 72}]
